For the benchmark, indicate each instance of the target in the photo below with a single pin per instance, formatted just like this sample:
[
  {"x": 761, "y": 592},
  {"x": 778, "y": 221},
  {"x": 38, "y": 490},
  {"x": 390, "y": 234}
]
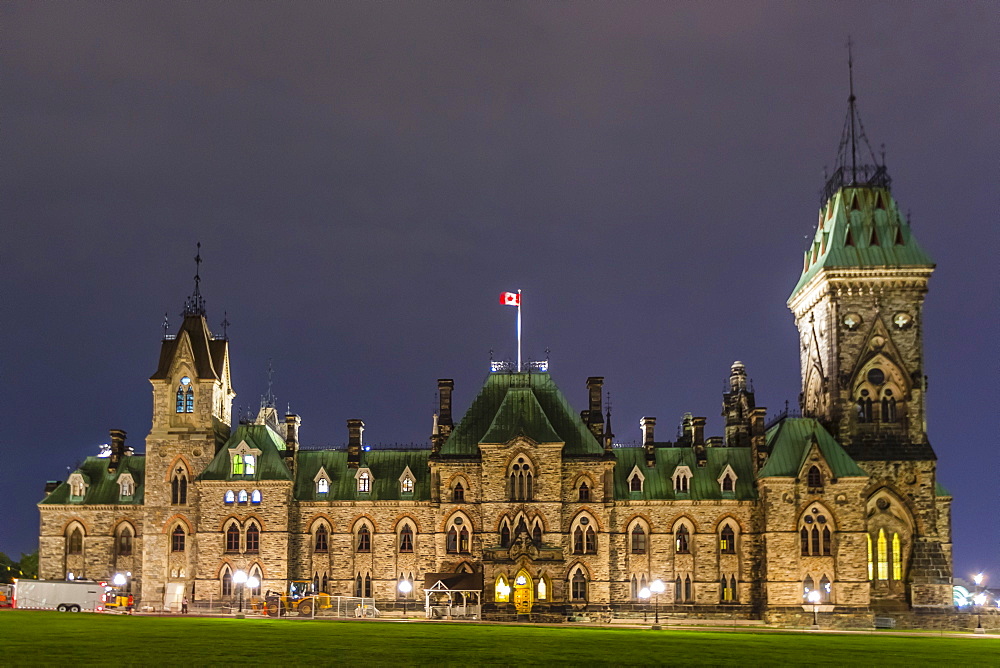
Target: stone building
[{"x": 537, "y": 500}]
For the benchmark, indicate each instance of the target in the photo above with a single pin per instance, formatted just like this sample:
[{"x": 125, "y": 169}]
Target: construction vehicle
[{"x": 300, "y": 598}]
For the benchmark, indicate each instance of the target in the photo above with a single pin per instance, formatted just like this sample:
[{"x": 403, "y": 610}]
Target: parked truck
[{"x": 61, "y": 595}]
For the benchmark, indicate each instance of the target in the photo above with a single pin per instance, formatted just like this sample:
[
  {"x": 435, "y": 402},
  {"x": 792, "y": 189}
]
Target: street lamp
[
  {"x": 657, "y": 587},
  {"x": 979, "y": 599},
  {"x": 405, "y": 588},
  {"x": 814, "y": 597},
  {"x": 644, "y": 595},
  {"x": 240, "y": 578}
]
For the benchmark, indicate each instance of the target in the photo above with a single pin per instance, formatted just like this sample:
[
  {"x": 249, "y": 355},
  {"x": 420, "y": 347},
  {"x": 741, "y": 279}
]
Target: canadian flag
[{"x": 510, "y": 299}]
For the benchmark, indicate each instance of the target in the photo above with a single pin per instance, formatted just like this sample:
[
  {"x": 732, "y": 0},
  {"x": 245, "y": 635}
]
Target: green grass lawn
[{"x": 52, "y": 638}]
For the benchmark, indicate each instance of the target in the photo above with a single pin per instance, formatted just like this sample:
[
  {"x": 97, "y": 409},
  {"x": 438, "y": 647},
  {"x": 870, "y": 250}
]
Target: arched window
[
  {"x": 814, "y": 479},
  {"x": 678, "y": 590},
  {"x": 501, "y": 590},
  {"x": 815, "y": 535},
  {"x": 578, "y": 587},
  {"x": 363, "y": 585},
  {"x": 635, "y": 484},
  {"x": 185, "y": 396},
  {"x": 255, "y": 573},
  {"x": 233, "y": 538},
  {"x": 458, "y": 493},
  {"x": 687, "y": 588},
  {"x": 578, "y": 540},
  {"x": 584, "y": 492},
  {"x": 322, "y": 486},
  {"x": 249, "y": 464},
  {"x": 177, "y": 539},
  {"x": 315, "y": 582},
  {"x": 521, "y": 482},
  {"x": 406, "y": 539},
  {"x": 638, "y": 540},
  {"x": 727, "y": 587},
  {"x": 74, "y": 545},
  {"x": 253, "y": 538},
  {"x": 452, "y": 541},
  {"x": 883, "y": 556},
  {"x": 824, "y": 589},
  {"x": 325, "y": 584},
  {"x": 255, "y": 497},
  {"x": 727, "y": 483},
  {"x": 536, "y": 532},
  {"x": 227, "y": 582},
  {"x": 189, "y": 400},
  {"x": 727, "y": 540},
  {"x": 463, "y": 540},
  {"x": 504, "y": 533},
  {"x": 590, "y": 540},
  {"x": 124, "y": 543},
  {"x": 364, "y": 482},
  {"x": 242, "y": 496},
  {"x": 180, "y": 400},
  {"x": 179, "y": 488},
  {"x": 871, "y": 558},
  {"x": 322, "y": 543},
  {"x": 364, "y": 539},
  {"x": 864, "y": 407},
  {"x": 807, "y": 586},
  {"x": 897, "y": 558},
  {"x": 230, "y": 497},
  {"x": 682, "y": 540},
  {"x": 406, "y": 486}
]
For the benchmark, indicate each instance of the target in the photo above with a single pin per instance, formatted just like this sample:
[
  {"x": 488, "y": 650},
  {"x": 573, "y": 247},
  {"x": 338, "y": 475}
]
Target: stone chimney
[
  {"x": 698, "y": 439},
  {"x": 444, "y": 420},
  {"x": 117, "y": 449},
  {"x": 647, "y": 424},
  {"x": 595, "y": 419},
  {"x": 292, "y": 424},
  {"x": 354, "y": 430},
  {"x": 758, "y": 437},
  {"x": 50, "y": 486}
]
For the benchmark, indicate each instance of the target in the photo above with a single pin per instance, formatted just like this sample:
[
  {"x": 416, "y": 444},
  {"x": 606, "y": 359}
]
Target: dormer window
[
  {"x": 682, "y": 479},
  {"x": 243, "y": 459},
  {"x": 77, "y": 486},
  {"x": 727, "y": 481},
  {"x": 322, "y": 480},
  {"x": 364, "y": 479},
  {"x": 406, "y": 482},
  {"x": 635, "y": 480},
  {"x": 126, "y": 485},
  {"x": 185, "y": 396}
]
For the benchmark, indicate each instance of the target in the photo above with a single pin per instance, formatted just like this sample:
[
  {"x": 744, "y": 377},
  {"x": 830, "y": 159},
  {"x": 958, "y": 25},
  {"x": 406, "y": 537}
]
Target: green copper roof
[
  {"x": 510, "y": 404},
  {"x": 270, "y": 463},
  {"x": 789, "y": 442},
  {"x": 940, "y": 490},
  {"x": 103, "y": 486},
  {"x": 704, "y": 484},
  {"x": 861, "y": 227},
  {"x": 386, "y": 467}
]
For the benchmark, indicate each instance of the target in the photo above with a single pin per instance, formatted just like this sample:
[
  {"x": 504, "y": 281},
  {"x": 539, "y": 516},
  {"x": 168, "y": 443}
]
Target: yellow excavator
[{"x": 298, "y": 599}]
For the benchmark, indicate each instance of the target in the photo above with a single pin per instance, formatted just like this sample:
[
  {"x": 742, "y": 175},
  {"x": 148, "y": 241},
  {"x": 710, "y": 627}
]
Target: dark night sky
[{"x": 365, "y": 178}]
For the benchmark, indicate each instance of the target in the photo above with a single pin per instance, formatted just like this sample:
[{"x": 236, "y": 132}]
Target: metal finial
[
  {"x": 225, "y": 325},
  {"x": 195, "y": 304},
  {"x": 197, "y": 270},
  {"x": 166, "y": 325},
  {"x": 850, "y": 74}
]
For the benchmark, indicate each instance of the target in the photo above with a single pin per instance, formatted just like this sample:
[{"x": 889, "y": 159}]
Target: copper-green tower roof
[{"x": 528, "y": 404}]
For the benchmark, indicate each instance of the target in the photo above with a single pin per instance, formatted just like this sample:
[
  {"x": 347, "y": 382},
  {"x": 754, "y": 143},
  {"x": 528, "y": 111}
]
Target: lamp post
[
  {"x": 644, "y": 595},
  {"x": 240, "y": 578},
  {"x": 979, "y": 599},
  {"x": 657, "y": 587},
  {"x": 405, "y": 588},
  {"x": 814, "y": 597}
]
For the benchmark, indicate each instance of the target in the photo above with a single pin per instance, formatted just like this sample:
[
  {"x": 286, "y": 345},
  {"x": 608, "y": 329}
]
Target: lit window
[
  {"x": 249, "y": 464},
  {"x": 364, "y": 482},
  {"x": 322, "y": 486},
  {"x": 727, "y": 540},
  {"x": 185, "y": 396},
  {"x": 406, "y": 486},
  {"x": 871, "y": 559},
  {"x": 682, "y": 540},
  {"x": 230, "y": 497},
  {"x": 77, "y": 485},
  {"x": 897, "y": 558},
  {"x": 542, "y": 589},
  {"x": 126, "y": 486},
  {"x": 255, "y": 497},
  {"x": 883, "y": 556},
  {"x": 242, "y": 496},
  {"x": 501, "y": 592},
  {"x": 237, "y": 464}
]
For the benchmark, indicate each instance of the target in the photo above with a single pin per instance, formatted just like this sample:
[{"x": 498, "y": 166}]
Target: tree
[
  {"x": 29, "y": 565},
  {"x": 8, "y": 569}
]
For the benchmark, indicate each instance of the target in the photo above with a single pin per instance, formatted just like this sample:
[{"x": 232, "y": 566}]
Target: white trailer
[{"x": 61, "y": 595}]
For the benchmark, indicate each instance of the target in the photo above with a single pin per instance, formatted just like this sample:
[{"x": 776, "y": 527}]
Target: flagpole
[{"x": 518, "y": 331}]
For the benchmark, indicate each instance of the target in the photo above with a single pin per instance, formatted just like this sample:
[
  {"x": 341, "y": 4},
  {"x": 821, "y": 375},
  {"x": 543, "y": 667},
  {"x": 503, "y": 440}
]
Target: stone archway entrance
[{"x": 523, "y": 592}]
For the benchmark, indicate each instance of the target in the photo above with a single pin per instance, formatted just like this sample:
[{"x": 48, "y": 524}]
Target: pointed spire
[{"x": 195, "y": 304}]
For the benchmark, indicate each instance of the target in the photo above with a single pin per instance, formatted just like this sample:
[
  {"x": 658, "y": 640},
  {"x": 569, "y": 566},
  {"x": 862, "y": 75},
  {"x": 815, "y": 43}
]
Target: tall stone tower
[
  {"x": 192, "y": 409},
  {"x": 858, "y": 307}
]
